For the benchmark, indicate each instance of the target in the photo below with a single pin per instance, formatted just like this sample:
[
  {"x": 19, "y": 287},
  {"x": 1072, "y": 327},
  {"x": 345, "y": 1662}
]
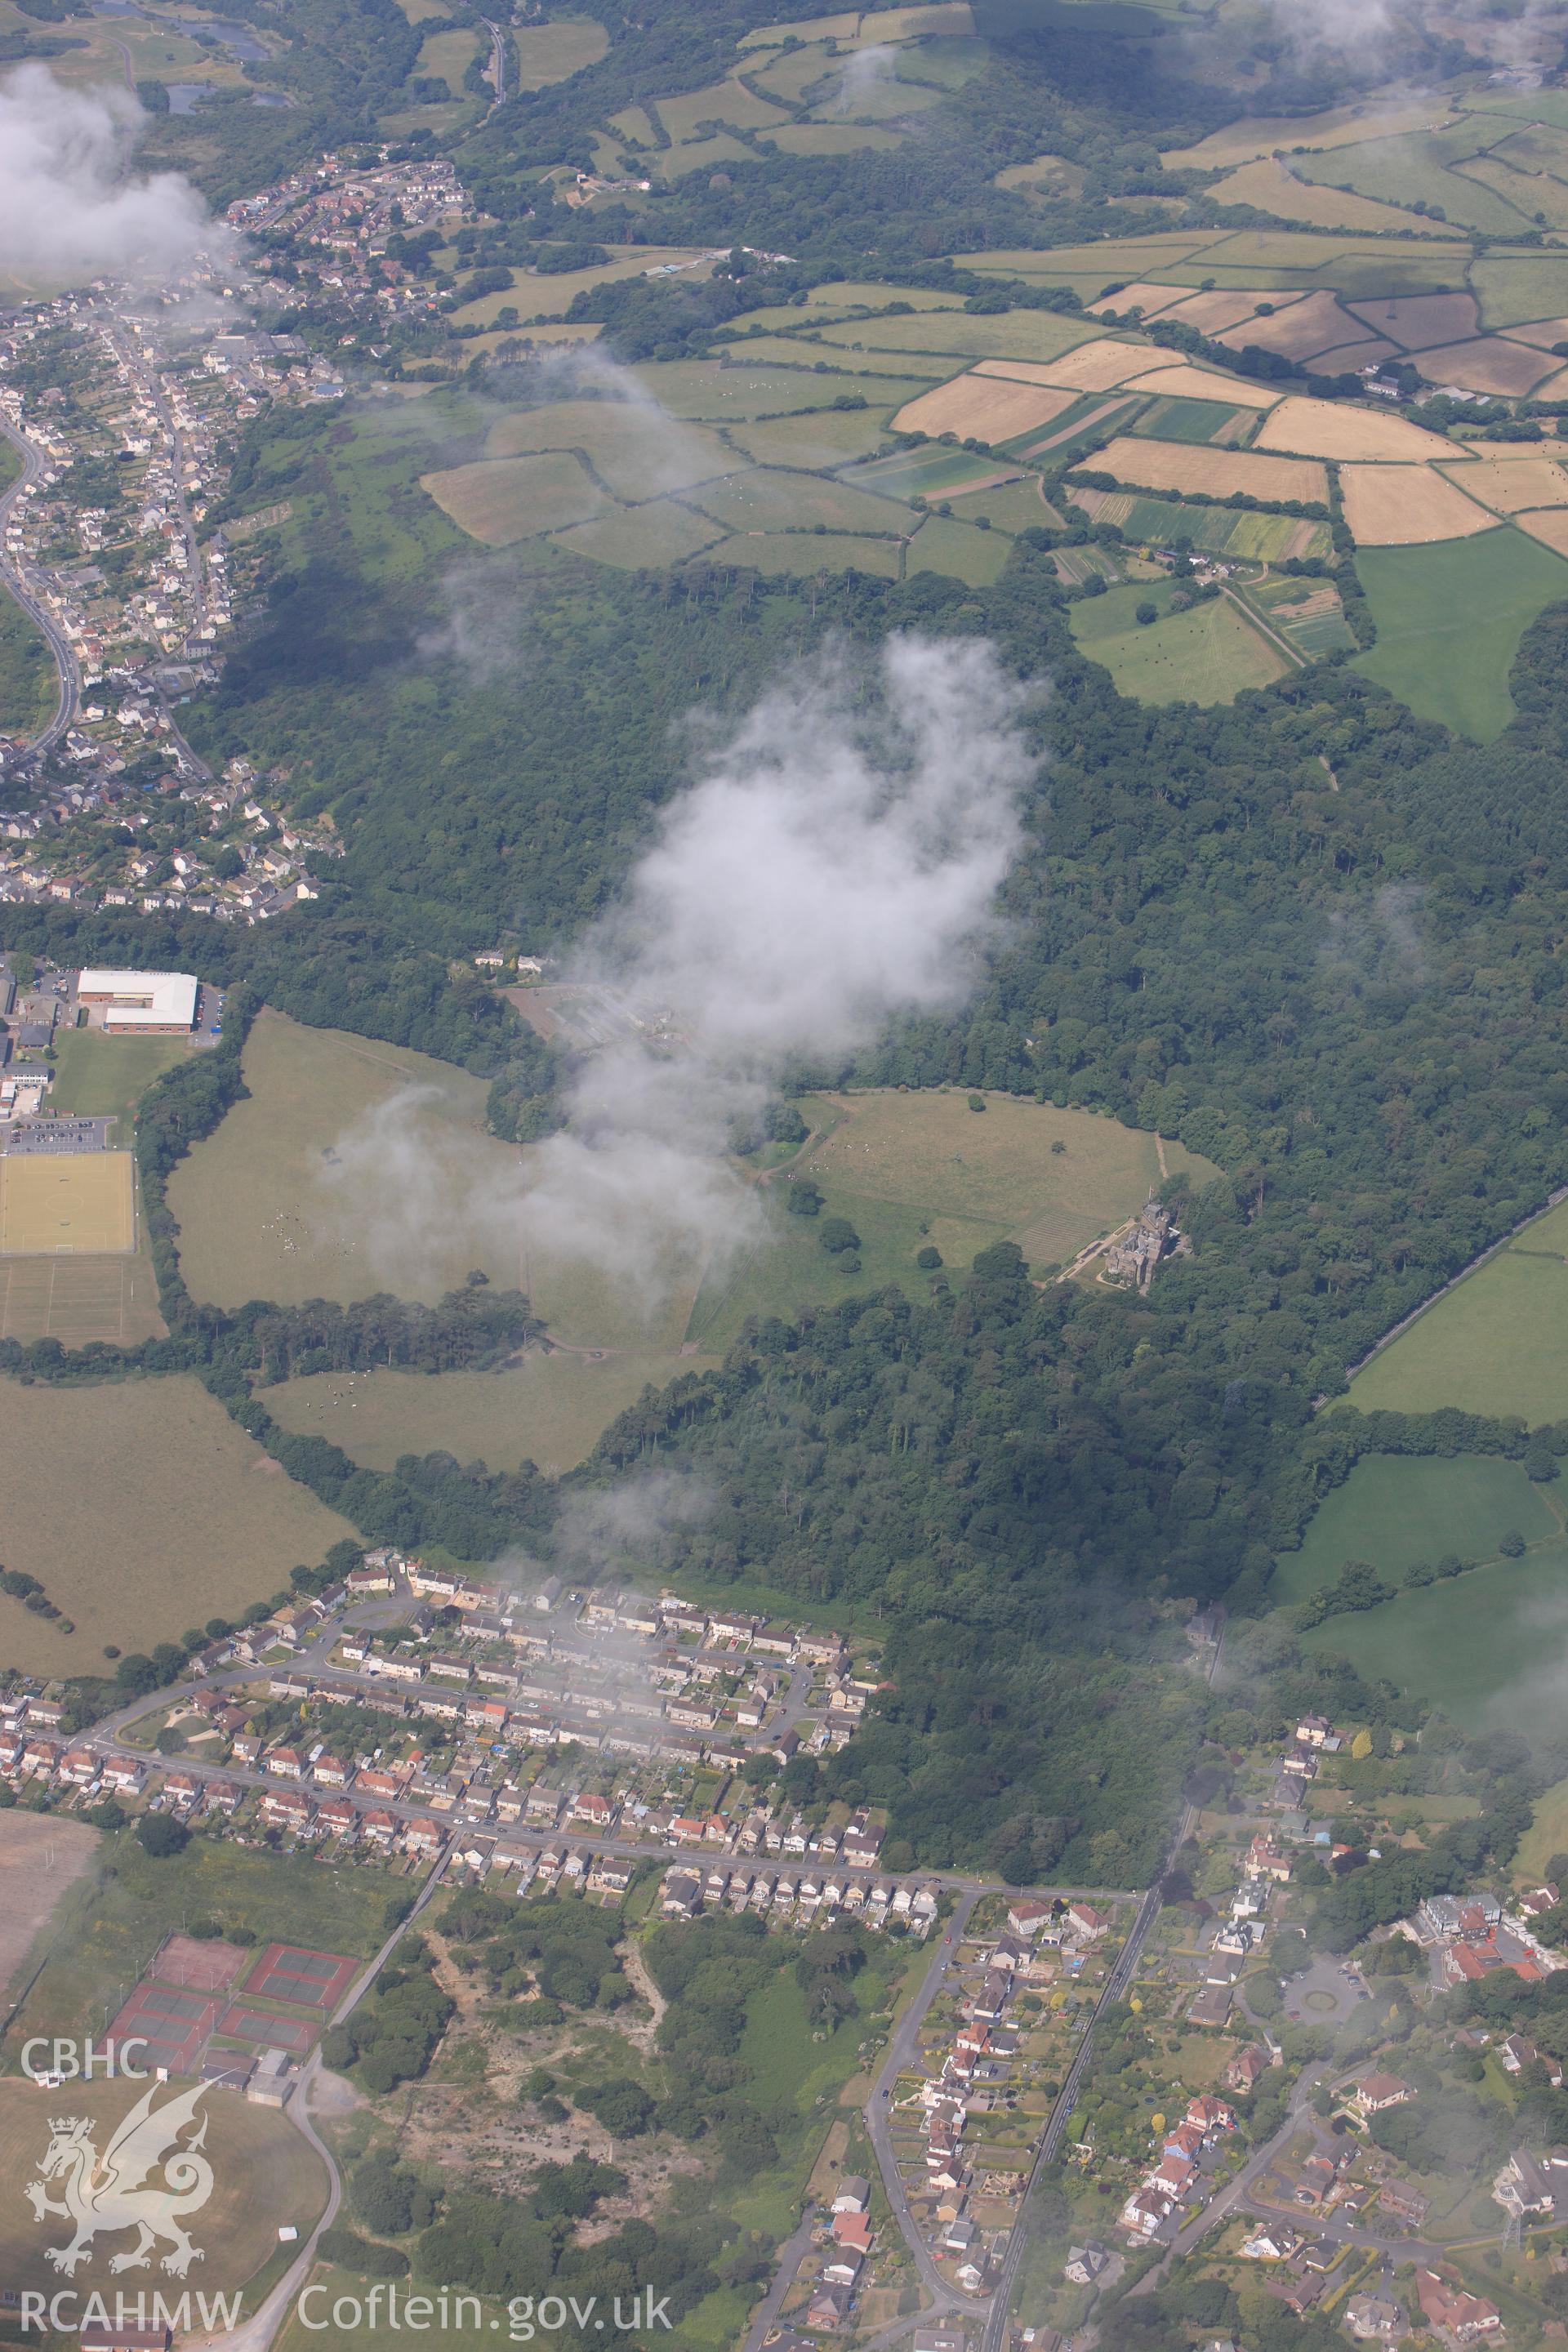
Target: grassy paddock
[
  {"x": 1485, "y": 1646},
  {"x": 1450, "y": 619},
  {"x": 1205, "y": 654},
  {"x": 1395, "y": 1509},
  {"x": 550, "y": 1410},
  {"x": 296, "y": 1197},
  {"x": 142, "y": 1509}
]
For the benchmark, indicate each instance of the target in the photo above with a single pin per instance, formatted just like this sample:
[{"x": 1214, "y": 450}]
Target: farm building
[{"x": 142, "y": 1003}]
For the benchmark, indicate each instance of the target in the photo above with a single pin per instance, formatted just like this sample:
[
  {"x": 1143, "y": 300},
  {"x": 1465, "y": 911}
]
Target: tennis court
[
  {"x": 240, "y": 2023},
  {"x": 289, "y": 1972},
  {"x": 65, "y": 1203},
  {"x": 201, "y": 1964},
  {"x": 176, "y": 2027}
]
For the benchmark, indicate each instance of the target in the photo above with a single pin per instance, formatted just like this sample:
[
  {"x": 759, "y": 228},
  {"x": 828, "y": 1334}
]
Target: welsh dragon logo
[{"x": 117, "y": 2191}]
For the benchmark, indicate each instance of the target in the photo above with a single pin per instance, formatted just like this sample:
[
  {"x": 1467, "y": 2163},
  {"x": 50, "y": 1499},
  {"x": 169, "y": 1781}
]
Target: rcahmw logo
[
  {"x": 68, "y": 2313},
  {"x": 121, "y": 2189}
]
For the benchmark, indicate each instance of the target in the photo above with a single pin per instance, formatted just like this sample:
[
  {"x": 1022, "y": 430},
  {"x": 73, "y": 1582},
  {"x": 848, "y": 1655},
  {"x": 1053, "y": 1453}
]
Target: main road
[{"x": 67, "y": 700}]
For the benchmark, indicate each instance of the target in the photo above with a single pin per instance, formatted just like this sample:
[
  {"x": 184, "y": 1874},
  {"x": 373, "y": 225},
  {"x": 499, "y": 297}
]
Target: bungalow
[
  {"x": 853, "y": 2231},
  {"x": 1448, "y": 2308},
  {"x": 372, "y": 1781},
  {"x": 1521, "y": 2187}
]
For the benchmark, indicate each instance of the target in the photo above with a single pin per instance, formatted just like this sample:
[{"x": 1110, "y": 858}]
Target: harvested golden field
[
  {"x": 1509, "y": 370},
  {"x": 988, "y": 408},
  {"x": 1322, "y": 428},
  {"x": 1542, "y": 335},
  {"x": 1273, "y": 187},
  {"x": 1315, "y": 325},
  {"x": 1337, "y": 126},
  {"x": 142, "y": 1508},
  {"x": 1346, "y": 356},
  {"x": 1212, "y": 312},
  {"x": 1509, "y": 485},
  {"x": 1096, "y": 367},
  {"x": 1416, "y": 321},
  {"x": 1550, "y": 527},
  {"x": 40, "y": 1859},
  {"x": 1142, "y": 296},
  {"x": 1185, "y": 381},
  {"x": 1407, "y": 506},
  {"x": 500, "y": 499},
  {"x": 1183, "y": 466}
]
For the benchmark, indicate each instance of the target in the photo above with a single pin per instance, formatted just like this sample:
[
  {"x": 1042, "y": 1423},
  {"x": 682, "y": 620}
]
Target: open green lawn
[
  {"x": 959, "y": 550},
  {"x": 1484, "y": 1646},
  {"x": 1450, "y": 618},
  {"x": 1205, "y": 654},
  {"x": 142, "y": 1509},
  {"x": 1547, "y": 1834},
  {"x": 550, "y": 1408},
  {"x": 29, "y": 682},
  {"x": 1403, "y": 171},
  {"x": 1496, "y": 1343},
  {"x": 1395, "y": 1509}
]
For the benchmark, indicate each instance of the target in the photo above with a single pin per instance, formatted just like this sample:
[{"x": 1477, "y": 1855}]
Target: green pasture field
[
  {"x": 98, "y": 1077},
  {"x": 1395, "y": 1509},
  {"x": 1547, "y": 1834},
  {"x": 835, "y": 138},
  {"x": 112, "y": 1922},
  {"x": 871, "y": 361},
  {"x": 1484, "y": 1646},
  {"x": 1315, "y": 634},
  {"x": 1513, "y": 291},
  {"x": 820, "y": 440},
  {"x": 550, "y": 1408},
  {"x": 864, "y": 294},
  {"x": 1205, "y": 654},
  {"x": 770, "y": 500},
  {"x": 447, "y": 57},
  {"x": 142, "y": 1509},
  {"x": 1529, "y": 193},
  {"x": 1010, "y": 506},
  {"x": 1496, "y": 1343},
  {"x": 804, "y": 552},
  {"x": 885, "y": 100},
  {"x": 729, "y": 102},
  {"x": 1185, "y": 420},
  {"x": 1009, "y": 335},
  {"x": 636, "y": 453},
  {"x": 29, "y": 682},
  {"x": 265, "y": 2175},
  {"x": 654, "y": 536},
  {"x": 264, "y": 1212},
  {"x": 1404, "y": 171},
  {"x": 790, "y": 77},
  {"x": 554, "y": 52},
  {"x": 546, "y": 295},
  {"x": 750, "y": 389},
  {"x": 975, "y": 557},
  {"x": 1088, "y": 424},
  {"x": 702, "y": 155},
  {"x": 1450, "y": 618},
  {"x": 933, "y": 472}
]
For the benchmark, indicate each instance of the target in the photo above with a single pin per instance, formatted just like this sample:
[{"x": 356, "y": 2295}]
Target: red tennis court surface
[
  {"x": 175, "y": 2026},
  {"x": 241, "y": 2023},
  {"x": 205, "y": 1965},
  {"x": 290, "y": 1973}
]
